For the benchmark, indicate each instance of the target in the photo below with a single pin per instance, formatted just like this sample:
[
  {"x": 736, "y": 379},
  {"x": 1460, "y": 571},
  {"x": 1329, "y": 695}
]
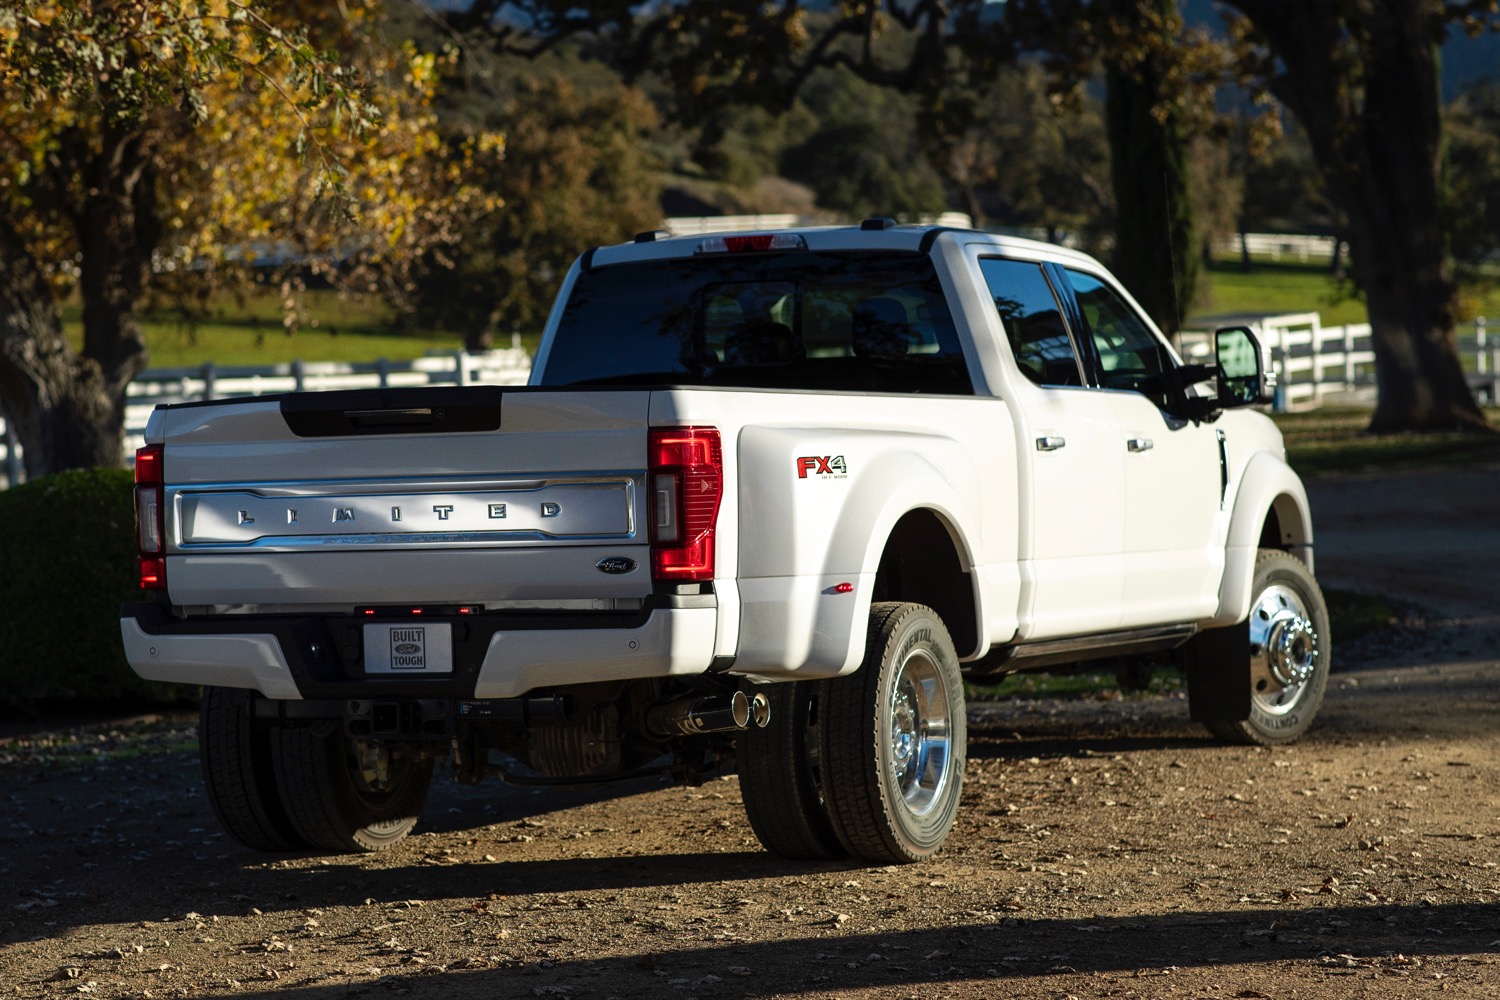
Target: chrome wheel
[
  {"x": 891, "y": 739},
  {"x": 1284, "y": 649},
  {"x": 921, "y": 729},
  {"x": 1284, "y": 645}
]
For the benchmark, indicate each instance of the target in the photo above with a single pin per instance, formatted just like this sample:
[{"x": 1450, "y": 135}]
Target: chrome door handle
[
  {"x": 1050, "y": 443},
  {"x": 1140, "y": 444}
]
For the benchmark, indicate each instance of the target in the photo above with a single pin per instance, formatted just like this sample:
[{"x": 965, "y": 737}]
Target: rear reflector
[
  {"x": 687, "y": 483},
  {"x": 153, "y": 573}
]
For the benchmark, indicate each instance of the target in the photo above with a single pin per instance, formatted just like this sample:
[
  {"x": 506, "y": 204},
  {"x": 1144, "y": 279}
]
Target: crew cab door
[
  {"x": 1173, "y": 466},
  {"x": 1070, "y": 461}
]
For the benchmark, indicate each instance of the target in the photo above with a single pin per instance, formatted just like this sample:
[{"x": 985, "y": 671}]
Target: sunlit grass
[
  {"x": 1276, "y": 288},
  {"x": 252, "y": 332},
  {"x": 1333, "y": 439}
]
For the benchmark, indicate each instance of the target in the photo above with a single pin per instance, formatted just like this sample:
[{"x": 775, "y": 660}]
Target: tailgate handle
[
  {"x": 414, "y": 410},
  {"x": 392, "y": 418}
]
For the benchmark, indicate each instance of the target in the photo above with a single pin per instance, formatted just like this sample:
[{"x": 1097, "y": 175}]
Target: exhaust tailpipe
[{"x": 709, "y": 714}]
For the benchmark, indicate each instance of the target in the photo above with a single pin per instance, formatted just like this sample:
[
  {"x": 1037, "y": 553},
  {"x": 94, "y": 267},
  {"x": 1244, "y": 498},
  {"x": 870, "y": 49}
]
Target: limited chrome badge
[{"x": 615, "y": 564}]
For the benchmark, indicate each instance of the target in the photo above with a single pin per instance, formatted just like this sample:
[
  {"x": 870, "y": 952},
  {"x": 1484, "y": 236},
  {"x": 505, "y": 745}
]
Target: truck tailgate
[{"x": 460, "y": 495}]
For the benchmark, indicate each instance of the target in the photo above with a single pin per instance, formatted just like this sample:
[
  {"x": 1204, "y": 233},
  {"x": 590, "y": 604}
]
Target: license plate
[{"x": 408, "y": 648}]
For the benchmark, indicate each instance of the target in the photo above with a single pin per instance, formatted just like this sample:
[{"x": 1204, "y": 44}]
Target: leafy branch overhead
[
  {"x": 150, "y": 148},
  {"x": 135, "y": 58}
]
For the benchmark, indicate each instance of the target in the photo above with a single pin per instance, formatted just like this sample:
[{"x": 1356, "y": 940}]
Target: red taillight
[
  {"x": 752, "y": 244},
  {"x": 687, "y": 483},
  {"x": 149, "y": 517}
]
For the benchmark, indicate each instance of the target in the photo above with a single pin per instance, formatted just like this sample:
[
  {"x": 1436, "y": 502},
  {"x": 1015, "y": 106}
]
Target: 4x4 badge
[{"x": 615, "y": 564}]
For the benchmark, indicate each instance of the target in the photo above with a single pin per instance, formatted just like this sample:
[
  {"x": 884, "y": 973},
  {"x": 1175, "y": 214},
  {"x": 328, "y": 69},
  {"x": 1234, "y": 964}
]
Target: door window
[
  {"x": 1033, "y": 321},
  {"x": 1130, "y": 355}
]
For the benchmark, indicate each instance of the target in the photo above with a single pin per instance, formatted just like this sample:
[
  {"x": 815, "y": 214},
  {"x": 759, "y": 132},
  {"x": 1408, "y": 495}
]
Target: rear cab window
[{"x": 861, "y": 321}]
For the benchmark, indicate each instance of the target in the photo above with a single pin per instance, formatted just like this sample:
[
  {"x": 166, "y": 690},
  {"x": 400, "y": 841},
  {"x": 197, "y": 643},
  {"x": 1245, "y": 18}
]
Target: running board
[{"x": 1079, "y": 648}]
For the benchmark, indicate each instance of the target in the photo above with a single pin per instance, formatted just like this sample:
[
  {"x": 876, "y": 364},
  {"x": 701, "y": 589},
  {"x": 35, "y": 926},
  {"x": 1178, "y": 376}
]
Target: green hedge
[{"x": 67, "y": 563}]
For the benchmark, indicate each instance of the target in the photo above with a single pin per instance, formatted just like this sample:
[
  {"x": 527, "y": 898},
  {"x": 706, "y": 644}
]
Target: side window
[
  {"x": 1130, "y": 355},
  {"x": 1033, "y": 321}
]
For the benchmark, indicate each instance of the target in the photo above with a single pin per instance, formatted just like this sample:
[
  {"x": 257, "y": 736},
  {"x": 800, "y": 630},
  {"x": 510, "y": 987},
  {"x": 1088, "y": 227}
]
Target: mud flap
[{"x": 1217, "y": 665}]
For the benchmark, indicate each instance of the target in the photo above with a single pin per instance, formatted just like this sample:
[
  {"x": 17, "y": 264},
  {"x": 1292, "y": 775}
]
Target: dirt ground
[{"x": 1105, "y": 849}]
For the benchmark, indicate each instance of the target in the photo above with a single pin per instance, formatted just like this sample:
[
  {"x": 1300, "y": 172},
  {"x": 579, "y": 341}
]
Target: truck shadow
[{"x": 1359, "y": 942}]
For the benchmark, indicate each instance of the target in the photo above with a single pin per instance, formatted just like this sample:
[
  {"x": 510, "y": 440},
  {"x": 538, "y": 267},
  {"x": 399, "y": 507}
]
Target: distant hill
[{"x": 1465, "y": 60}]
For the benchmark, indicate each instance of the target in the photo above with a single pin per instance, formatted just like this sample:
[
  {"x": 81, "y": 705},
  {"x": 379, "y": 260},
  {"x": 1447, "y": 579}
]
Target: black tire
[
  {"x": 777, "y": 765},
  {"x": 1288, "y": 653},
  {"x": 904, "y": 707},
  {"x": 238, "y": 773},
  {"x": 331, "y": 805}
]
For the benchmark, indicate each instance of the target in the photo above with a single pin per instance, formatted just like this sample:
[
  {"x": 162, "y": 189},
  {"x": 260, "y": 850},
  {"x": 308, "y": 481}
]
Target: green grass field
[
  {"x": 1278, "y": 288},
  {"x": 251, "y": 332}
]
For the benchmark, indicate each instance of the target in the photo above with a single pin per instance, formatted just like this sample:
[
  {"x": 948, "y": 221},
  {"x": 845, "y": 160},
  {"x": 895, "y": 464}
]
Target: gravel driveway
[{"x": 1105, "y": 849}]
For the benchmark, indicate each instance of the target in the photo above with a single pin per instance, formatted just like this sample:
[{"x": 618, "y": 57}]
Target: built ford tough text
[{"x": 769, "y": 496}]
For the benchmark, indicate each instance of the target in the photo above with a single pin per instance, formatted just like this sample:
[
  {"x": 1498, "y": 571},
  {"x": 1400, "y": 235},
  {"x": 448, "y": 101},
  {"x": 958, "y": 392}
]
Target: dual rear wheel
[
  {"x": 868, "y": 765},
  {"x": 306, "y": 786}
]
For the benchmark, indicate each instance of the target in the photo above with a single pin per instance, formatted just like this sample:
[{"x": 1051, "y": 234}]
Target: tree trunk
[
  {"x": 55, "y": 401},
  {"x": 1376, "y": 133},
  {"x": 1156, "y": 251},
  {"x": 117, "y": 233},
  {"x": 69, "y": 409}
]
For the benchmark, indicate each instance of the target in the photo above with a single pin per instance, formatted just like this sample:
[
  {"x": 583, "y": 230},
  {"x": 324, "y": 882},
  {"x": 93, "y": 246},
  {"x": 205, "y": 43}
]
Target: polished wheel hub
[
  {"x": 920, "y": 729},
  {"x": 1284, "y": 649},
  {"x": 374, "y": 765}
]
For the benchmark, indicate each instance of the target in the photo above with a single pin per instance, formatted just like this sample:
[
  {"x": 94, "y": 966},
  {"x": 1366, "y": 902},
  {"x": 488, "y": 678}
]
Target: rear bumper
[
  {"x": 319, "y": 657},
  {"x": 222, "y": 660}
]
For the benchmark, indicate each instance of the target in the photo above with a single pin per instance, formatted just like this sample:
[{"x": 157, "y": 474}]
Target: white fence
[
  {"x": 176, "y": 385},
  {"x": 1315, "y": 363},
  {"x": 1302, "y": 249}
]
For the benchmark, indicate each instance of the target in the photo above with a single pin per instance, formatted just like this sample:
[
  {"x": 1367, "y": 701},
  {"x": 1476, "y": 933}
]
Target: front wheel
[
  {"x": 893, "y": 739},
  {"x": 1289, "y": 650}
]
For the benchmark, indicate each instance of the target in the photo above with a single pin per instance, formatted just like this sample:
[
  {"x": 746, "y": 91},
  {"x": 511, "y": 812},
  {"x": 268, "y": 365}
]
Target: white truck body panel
[{"x": 1070, "y": 510}]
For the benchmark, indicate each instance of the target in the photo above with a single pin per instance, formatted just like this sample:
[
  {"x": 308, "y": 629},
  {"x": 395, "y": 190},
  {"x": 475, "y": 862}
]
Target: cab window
[
  {"x": 1033, "y": 321},
  {"x": 1130, "y": 356}
]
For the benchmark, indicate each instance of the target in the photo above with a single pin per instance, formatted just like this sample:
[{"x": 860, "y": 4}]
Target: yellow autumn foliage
[{"x": 275, "y": 145}]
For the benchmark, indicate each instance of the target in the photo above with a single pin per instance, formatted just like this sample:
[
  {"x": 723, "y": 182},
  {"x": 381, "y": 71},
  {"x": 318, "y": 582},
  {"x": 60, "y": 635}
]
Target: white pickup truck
[{"x": 772, "y": 496}]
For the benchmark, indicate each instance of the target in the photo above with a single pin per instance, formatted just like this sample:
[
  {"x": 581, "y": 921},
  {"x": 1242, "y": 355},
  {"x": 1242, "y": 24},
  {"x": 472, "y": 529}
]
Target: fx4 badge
[{"x": 823, "y": 466}]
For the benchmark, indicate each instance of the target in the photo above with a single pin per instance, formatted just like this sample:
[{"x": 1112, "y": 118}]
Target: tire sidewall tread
[
  {"x": 782, "y": 799},
  {"x": 867, "y": 813},
  {"x": 1274, "y": 566}
]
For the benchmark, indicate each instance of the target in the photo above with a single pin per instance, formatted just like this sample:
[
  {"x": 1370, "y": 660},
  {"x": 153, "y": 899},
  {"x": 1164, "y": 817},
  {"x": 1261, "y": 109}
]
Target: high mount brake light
[
  {"x": 687, "y": 483},
  {"x": 150, "y": 517},
  {"x": 752, "y": 244}
]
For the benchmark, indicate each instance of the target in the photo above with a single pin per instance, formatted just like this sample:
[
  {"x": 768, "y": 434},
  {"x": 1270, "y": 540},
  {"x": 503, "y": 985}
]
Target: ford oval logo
[
  {"x": 615, "y": 564},
  {"x": 407, "y": 648}
]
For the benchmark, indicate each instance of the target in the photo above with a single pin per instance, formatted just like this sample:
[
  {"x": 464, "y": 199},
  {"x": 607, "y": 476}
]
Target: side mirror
[{"x": 1244, "y": 379}]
